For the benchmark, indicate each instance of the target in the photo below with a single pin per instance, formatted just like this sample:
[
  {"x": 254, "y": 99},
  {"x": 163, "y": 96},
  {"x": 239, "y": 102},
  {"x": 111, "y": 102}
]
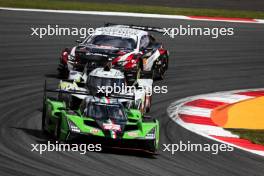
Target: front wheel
[
  {"x": 151, "y": 146},
  {"x": 43, "y": 121},
  {"x": 165, "y": 63},
  {"x": 44, "y": 116},
  {"x": 57, "y": 129}
]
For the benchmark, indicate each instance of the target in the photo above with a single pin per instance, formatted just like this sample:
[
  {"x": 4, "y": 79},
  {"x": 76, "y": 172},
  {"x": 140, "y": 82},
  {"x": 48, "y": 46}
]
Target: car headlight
[
  {"x": 73, "y": 127},
  {"x": 151, "y": 134}
]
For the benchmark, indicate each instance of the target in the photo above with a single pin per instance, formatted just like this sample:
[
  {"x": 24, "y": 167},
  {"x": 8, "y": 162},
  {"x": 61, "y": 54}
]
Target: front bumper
[{"x": 138, "y": 143}]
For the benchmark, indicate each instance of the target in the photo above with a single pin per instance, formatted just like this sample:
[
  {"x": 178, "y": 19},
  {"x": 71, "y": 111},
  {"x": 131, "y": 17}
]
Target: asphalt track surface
[
  {"x": 197, "y": 65},
  {"x": 257, "y": 5}
]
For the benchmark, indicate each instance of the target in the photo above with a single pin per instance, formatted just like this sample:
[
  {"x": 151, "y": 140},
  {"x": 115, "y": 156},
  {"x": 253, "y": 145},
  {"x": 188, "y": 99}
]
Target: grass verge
[
  {"x": 73, "y": 5},
  {"x": 255, "y": 136}
]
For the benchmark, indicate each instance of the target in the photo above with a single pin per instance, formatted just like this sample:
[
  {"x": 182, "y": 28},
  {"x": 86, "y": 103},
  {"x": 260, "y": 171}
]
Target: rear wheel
[
  {"x": 44, "y": 115},
  {"x": 158, "y": 72},
  {"x": 63, "y": 71},
  {"x": 166, "y": 63},
  {"x": 43, "y": 121},
  {"x": 57, "y": 129}
]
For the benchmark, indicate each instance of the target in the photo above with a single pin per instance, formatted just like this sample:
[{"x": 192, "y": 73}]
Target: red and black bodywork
[{"x": 150, "y": 59}]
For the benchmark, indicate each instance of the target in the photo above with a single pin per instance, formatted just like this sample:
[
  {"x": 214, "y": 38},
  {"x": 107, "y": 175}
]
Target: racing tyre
[
  {"x": 63, "y": 72},
  {"x": 158, "y": 72},
  {"x": 165, "y": 62},
  {"x": 151, "y": 146},
  {"x": 147, "y": 109},
  {"x": 43, "y": 121},
  {"x": 57, "y": 129},
  {"x": 44, "y": 116}
]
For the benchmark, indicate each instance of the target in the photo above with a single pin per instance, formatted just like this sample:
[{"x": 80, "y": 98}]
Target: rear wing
[
  {"x": 144, "y": 28},
  {"x": 122, "y": 96},
  {"x": 58, "y": 90},
  {"x": 82, "y": 92}
]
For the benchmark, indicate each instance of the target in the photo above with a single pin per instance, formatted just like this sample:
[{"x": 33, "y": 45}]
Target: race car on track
[
  {"x": 128, "y": 47},
  {"x": 112, "y": 78},
  {"x": 105, "y": 119}
]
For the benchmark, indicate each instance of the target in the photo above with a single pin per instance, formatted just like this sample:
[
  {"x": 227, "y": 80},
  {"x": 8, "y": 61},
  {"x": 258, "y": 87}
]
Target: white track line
[
  {"x": 206, "y": 130},
  {"x": 144, "y": 15},
  {"x": 231, "y": 98},
  {"x": 192, "y": 110},
  {"x": 184, "y": 125}
]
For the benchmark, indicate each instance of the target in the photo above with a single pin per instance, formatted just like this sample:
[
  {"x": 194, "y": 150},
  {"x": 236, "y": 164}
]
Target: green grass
[
  {"x": 73, "y": 5},
  {"x": 255, "y": 136}
]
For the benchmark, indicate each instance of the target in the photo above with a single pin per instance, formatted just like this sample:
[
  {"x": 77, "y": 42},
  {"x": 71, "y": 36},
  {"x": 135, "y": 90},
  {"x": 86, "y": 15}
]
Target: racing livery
[
  {"x": 109, "y": 77},
  {"x": 103, "y": 118},
  {"x": 129, "y": 48}
]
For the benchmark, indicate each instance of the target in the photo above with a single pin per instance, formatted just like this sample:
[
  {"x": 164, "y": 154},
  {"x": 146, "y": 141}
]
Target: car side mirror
[{"x": 78, "y": 41}]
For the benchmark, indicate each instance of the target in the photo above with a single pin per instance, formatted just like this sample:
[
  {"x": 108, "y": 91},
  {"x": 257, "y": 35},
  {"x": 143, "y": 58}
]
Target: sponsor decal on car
[
  {"x": 94, "y": 130},
  {"x": 132, "y": 134},
  {"x": 111, "y": 126}
]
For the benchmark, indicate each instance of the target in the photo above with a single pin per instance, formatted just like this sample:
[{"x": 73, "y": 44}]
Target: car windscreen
[
  {"x": 94, "y": 81},
  {"x": 101, "y": 111},
  {"x": 112, "y": 41}
]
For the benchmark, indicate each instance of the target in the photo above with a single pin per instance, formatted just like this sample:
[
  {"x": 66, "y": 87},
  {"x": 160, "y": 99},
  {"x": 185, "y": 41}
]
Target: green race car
[{"x": 76, "y": 115}]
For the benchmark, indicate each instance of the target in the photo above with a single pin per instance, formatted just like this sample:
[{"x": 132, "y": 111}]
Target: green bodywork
[{"x": 56, "y": 110}]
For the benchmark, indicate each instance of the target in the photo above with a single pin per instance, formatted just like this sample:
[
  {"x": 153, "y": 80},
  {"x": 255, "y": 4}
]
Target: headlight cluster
[
  {"x": 151, "y": 134},
  {"x": 73, "y": 127}
]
